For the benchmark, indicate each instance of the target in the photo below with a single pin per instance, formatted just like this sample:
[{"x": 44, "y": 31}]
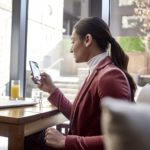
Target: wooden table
[{"x": 16, "y": 123}]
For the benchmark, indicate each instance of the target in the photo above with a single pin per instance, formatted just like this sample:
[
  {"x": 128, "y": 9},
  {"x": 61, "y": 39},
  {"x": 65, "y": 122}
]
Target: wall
[{"x": 138, "y": 62}]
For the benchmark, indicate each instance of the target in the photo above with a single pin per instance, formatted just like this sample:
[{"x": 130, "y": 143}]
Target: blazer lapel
[{"x": 87, "y": 84}]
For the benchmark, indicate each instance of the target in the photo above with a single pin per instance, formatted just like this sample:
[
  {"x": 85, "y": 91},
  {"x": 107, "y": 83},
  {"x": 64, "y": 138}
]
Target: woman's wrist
[{"x": 52, "y": 89}]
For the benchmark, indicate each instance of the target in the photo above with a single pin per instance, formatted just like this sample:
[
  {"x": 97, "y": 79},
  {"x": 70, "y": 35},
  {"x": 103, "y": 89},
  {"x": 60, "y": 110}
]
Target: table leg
[{"x": 16, "y": 138}]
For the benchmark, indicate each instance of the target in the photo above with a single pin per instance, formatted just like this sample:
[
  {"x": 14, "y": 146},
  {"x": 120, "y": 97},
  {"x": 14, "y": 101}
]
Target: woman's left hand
[{"x": 54, "y": 138}]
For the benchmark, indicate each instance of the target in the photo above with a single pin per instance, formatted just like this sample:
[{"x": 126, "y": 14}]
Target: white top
[{"x": 93, "y": 62}]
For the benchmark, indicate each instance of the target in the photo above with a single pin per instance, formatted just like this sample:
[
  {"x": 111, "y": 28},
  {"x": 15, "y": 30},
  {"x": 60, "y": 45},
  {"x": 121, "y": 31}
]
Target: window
[
  {"x": 128, "y": 26},
  {"x": 50, "y": 25},
  {"x": 5, "y": 41}
]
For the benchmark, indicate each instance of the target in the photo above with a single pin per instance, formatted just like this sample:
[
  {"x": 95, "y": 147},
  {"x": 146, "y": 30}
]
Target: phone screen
[{"x": 35, "y": 71}]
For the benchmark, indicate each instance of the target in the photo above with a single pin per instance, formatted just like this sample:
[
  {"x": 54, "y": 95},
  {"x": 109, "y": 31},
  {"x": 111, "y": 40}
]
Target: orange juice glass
[{"x": 15, "y": 89}]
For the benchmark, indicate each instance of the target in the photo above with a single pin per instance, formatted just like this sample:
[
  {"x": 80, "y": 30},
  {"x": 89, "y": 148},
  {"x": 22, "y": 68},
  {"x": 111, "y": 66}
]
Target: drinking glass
[
  {"x": 37, "y": 95},
  {"x": 15, "y": 89}
]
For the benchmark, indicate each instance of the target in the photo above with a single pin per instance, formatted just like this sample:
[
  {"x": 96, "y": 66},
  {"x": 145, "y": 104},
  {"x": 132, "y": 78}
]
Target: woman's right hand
[{"x": 46, "y": 84}]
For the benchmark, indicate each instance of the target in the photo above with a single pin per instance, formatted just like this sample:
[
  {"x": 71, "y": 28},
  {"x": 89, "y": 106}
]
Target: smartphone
[{"x": 35, "y": 71}]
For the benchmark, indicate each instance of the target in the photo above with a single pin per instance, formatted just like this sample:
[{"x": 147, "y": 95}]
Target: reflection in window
[{"x": 5, "y": 37}]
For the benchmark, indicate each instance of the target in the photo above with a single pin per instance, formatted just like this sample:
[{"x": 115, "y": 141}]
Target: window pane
[
  {"x": 5, "y": 37},
  {"x": 129, "y": 23},
  {"x": 49, "y": 28}
]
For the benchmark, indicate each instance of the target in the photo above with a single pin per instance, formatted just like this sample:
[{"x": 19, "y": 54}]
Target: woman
[{"x": 108, "y": 77}]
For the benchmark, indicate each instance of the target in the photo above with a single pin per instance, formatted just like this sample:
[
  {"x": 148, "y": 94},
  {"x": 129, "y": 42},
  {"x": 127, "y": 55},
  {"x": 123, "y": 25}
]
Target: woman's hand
[
  {"x": 54, "y": 138},
  {"x": 46, "y": 84}
]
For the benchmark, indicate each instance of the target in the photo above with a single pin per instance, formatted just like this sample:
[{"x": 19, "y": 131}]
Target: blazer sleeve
[
  {"x": 74, "y": 142},
  {"x": 61, "y": 102}
]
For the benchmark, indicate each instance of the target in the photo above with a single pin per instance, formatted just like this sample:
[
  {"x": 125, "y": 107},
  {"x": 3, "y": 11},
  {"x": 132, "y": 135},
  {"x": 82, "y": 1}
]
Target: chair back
[{"x": 144, "y": 94}]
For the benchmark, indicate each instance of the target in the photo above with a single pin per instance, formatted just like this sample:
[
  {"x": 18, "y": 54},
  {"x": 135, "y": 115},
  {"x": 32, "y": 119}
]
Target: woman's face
[{"x": 78, "y": 48}]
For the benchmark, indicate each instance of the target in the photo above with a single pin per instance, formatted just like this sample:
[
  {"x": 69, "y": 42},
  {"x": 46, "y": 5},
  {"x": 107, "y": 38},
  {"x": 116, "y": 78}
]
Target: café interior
[{"x": 34, "y": 30}]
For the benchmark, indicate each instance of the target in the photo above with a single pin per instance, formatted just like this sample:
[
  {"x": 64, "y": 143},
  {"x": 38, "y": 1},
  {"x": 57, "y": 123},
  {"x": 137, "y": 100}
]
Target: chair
[
  {"x": 125, "y": 125},
  {"x": 144, "y": 94}
]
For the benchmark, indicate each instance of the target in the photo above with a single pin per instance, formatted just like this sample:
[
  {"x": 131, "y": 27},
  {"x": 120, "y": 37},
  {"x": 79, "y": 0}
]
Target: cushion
[{"x": 125, "y": 125}]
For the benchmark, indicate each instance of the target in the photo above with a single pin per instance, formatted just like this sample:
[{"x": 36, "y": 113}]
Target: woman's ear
[{"x": 88, "y": 40}]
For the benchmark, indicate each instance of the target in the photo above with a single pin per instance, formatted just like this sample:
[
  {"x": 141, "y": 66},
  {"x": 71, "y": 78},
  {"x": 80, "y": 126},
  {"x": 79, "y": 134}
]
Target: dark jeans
[{"x": 36, "y": 142}]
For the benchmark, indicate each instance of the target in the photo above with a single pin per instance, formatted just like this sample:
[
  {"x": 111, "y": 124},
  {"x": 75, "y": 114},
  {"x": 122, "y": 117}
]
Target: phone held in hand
[{"x": 35, "y": 71}]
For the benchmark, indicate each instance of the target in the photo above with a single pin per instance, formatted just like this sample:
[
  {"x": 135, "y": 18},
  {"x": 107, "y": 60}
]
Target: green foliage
[{"x": 131, "y": 44}]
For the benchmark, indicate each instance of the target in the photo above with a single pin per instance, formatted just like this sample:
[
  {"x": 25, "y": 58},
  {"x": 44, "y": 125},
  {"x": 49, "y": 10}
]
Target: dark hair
[{"x": 101, "y": 34}]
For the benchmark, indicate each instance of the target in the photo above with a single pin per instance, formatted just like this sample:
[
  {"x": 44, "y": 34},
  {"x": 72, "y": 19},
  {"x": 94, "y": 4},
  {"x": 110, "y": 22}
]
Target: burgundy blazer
[{"x": 85, "y": 113}]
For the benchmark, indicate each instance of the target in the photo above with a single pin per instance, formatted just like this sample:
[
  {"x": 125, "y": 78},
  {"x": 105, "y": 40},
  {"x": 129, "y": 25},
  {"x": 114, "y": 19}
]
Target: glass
[
  {"x": 51, "y": 50},
  {"x": 130, "y": 26},
  {"x": 36, "y": 95},
  {"x": 15, "y": 89}
]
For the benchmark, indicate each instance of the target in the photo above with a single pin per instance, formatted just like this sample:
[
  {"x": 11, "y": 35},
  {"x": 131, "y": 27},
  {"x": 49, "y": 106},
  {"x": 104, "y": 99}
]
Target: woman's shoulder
[
  {"x": 110, "y": 73},
  {"x": 111, "y": 68}
]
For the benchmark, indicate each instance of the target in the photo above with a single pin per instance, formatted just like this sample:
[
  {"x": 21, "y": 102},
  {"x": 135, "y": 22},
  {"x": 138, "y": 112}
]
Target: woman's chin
[{"x": 77, "y": 61}]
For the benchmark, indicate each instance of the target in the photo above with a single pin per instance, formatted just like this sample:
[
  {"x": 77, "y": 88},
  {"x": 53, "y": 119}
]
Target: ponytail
[{"x": 120, "y": 59}]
